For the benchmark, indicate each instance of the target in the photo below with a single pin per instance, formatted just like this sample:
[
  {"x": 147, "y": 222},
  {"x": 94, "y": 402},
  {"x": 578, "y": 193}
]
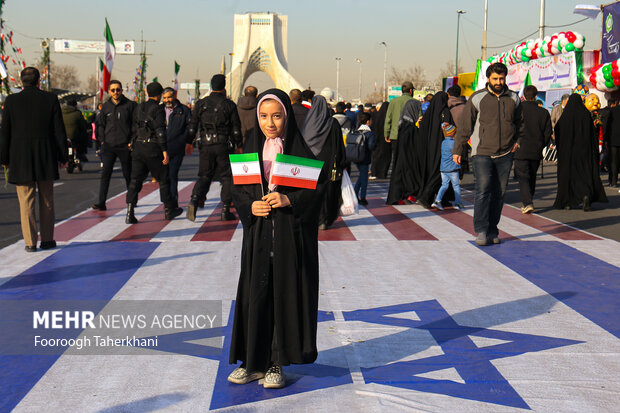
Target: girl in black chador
[{"x": 275, "y": 317}]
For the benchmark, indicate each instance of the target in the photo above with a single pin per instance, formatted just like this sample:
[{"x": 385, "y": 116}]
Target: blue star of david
[{"x": 483, "y": 382}]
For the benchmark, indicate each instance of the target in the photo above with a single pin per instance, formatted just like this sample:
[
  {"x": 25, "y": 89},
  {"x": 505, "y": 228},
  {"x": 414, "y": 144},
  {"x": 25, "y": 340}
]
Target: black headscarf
[
  {"x": 403, "y": 182},
  {"x": 428, "y": 149},
  {"x": 578, "y": 171},
  {"x": 382, "y": 156},
  {"x": 317, "y": 124},
  {"x": 293, "y": 141},
  {"x": 411, "y": 111}
]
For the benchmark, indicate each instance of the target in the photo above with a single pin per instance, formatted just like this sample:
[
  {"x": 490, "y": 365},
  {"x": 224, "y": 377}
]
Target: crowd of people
[{"x": 427, "y": 146}]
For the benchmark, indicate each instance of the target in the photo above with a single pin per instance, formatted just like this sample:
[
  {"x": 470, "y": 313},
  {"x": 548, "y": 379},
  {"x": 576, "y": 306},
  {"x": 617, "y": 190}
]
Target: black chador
[
  {"x": 275, "y": 317},
  {"x": 579, "y": 181}
]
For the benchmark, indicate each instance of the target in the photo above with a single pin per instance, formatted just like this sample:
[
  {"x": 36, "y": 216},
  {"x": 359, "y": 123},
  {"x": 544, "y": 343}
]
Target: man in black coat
[
  {"x": 178, "y": 117},
  {"x": 299, "y": 110},
  {"x": 216, "y": 120},
  {"x": 246, "y": 107},
  {"x": 537, "y": 123},
  {"x": 150, "y": 153},
  {"x": 114, "y": 132},
  {"x": 33, "y": 143}
]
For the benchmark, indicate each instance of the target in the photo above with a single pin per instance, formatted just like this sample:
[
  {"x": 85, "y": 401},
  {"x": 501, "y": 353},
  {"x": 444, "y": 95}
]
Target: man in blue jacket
[
  {"x": 177, "y": 130},
  {"x": 492, "y": 118}
]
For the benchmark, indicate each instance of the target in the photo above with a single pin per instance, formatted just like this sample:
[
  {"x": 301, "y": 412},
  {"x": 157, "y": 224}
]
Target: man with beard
[
  {"x": 177, "y": 131},
  {"x": 492, "y": 118}
]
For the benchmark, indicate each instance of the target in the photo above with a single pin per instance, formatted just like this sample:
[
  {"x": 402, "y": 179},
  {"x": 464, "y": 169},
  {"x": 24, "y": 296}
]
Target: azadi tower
[{"x": 260, "y": 45}]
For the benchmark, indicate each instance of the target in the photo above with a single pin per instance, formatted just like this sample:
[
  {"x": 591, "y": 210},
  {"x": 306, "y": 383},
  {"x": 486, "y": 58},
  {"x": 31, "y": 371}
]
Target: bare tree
[
  {"x": 448, "y": 70},
  {"x": 414, "y": 74},
  {"x": 63, "y": 76},
  {"x": 375, "y": 97},
  {"x": 92, "y": 85}
]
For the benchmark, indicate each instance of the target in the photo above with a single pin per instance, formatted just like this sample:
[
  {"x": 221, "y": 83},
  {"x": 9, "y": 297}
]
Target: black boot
[
  {"x": 226, "y": 214},
  {"x": 191, "y": 209},
  {"x": 130, "y": 218},
  {"x": 171, "y": 211}
]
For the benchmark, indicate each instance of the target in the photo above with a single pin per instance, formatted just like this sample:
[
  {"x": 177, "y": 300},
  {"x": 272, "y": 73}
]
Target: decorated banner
[
  {"x": 94, "y": 46},
  {"x": 610, "y": 43},
  {"x": 245, "y": 168},
  {"x": 553, "y": 72},
  {"x": 296, "y": 171},
  {"x": 558, "y": 43}
]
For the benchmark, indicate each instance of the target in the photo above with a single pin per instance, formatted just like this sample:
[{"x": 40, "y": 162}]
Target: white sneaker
[
  {"x": 527, "y": 209},
  {"x": 274, "y": 378},
  {"x": 241, "y": 376},
  {"x": 458, "y": 206},
  {"x": 437, "y": 205}
]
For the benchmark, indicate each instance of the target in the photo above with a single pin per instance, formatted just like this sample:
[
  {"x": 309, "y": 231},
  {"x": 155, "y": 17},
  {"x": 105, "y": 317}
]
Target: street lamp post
[
  {"x": 360, "y": 82},
  {"x": 458, "y": 21},
  {"x": 338, "y": 59},
  {"x": 384, "y": 72}
]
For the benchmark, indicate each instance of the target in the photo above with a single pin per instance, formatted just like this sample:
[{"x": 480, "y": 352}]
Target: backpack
[
  {"x": 356, "y": 147},
  {"x": 211, "y": 116},
  {"x": 145, "y": 119}
]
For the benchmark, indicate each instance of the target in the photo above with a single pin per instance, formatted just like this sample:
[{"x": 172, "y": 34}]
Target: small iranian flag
[
  {"x": 295, "y": 171},
  {"x": 110, "y": 53},
  {"x": 177, "y": 67},
  {"x": 245, "y": 168}
]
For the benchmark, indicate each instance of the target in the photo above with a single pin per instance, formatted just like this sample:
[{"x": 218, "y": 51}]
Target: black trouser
[
  {"x": 147, "y": 157},
  {"x": 614, "y": 164},
  {"x": 175, "y": 165},
  {"x": 108, "y": 157},
  {"x": 526, "y": 169},
  {"x": 214, "y": 162}
]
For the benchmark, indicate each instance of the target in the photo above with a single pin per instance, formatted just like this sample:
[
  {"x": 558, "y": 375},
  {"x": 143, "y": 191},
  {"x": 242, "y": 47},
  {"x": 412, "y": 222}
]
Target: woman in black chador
[
  {"x": 382, "y": 156},
  {"x": 579, "y": 181},
  {"x": 402, "y": 181},
  {"x": 323, "y": 136},
  {"x": 428, "y": 150},
  {"x": 277, "y": 298}
]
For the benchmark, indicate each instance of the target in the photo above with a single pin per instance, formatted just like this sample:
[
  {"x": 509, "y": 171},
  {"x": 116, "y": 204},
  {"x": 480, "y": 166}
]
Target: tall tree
[{"x": 414, "y": 74}]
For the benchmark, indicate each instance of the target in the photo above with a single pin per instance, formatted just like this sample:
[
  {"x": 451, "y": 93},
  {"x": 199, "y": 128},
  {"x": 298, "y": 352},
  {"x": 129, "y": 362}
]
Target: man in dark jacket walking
[
  {"x": 75, "y": 126},
  {"x": 537, "y": 133},
  {"x": 492, "y": 118},
  {"x": 246, "y": 107},
  {"x": 150, "y": 153},
  {"x": 114, "y": 132},
  {"x": 216, "y": 120},
  {"x": 33, "y": 143},
  {"x": 299, "y": 110},
  {"x": 177, "y": 131}
]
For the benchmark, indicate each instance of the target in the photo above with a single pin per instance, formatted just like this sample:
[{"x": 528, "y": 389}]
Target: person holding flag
[{"x": 275, "y": 314}]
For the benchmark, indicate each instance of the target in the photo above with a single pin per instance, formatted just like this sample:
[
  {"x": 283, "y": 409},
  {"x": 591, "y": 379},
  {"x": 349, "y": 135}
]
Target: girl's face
[{"x": 271, "y": 118}]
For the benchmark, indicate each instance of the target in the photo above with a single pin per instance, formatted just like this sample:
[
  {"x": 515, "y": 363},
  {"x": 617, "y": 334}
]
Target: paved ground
[{"x": 413, "y": 315}]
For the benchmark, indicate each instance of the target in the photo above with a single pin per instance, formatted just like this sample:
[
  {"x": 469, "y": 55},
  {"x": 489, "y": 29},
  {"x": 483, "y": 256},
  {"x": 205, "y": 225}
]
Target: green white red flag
[
  {"x": 245, "y": 168},
  {"x": 177, "y": 67},
  {"x": 100, "y": 77},
  {"x": 296, "y": 171},
  {"x": 110, "y": 53}
]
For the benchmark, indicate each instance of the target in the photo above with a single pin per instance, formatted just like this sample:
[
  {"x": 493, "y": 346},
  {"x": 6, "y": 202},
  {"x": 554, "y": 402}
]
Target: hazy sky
[{"x": 196, "y": 33}]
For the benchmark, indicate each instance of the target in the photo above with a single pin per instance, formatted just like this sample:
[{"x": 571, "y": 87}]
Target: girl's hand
[
  {"x": 260, "y": 208},
  {"x": 276, "y": 200}
]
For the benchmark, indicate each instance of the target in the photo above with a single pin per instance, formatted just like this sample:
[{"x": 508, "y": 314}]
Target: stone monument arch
[{"x": 260, "y": 44}]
